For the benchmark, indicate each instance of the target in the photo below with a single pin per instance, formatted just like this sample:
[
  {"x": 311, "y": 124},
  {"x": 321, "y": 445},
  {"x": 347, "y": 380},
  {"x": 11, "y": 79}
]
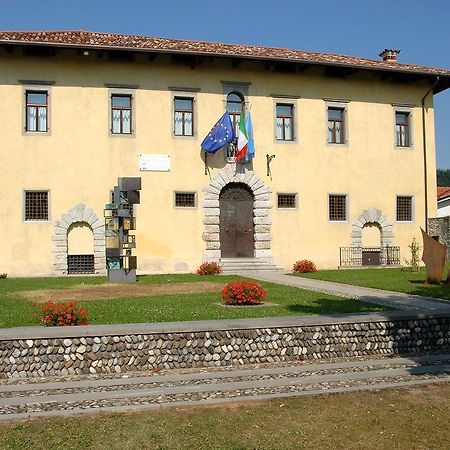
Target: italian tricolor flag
[{"x": 242, "y": 139}]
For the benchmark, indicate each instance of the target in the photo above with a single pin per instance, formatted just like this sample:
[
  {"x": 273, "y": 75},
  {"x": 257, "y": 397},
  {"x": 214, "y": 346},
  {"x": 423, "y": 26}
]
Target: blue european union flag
[{"x": 222, "y": 133}]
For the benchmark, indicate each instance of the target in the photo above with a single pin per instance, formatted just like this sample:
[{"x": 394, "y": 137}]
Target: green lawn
[
  {"x": 405, "y": 419},
  {"x": 16, "y": 311},
  {"x": 398, "y": 280}
]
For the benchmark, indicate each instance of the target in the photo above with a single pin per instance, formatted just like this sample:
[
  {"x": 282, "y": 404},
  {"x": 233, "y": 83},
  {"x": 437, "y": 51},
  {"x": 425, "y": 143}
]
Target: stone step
[
  {"x": 231, "y": 265},
  {"x": 87, "y": 395}
]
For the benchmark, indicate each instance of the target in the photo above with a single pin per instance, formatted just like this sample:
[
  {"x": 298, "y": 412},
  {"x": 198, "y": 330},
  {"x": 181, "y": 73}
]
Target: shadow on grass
[
  {"x": 438, "y": 291},
  {"x": 332, "y": 307}
]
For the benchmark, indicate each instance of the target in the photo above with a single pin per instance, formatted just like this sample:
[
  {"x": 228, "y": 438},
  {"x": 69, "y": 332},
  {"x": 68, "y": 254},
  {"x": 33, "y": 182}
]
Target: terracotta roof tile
[
  {"x": 443, "y": 192},
  {"x": 155, "y": 44}
]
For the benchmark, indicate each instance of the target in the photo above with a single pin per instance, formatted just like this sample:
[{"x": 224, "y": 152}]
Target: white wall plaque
[{"x": 155, "y": 163}]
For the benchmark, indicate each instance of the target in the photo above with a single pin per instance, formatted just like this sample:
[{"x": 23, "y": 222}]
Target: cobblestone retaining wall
[{"x": 135, "y": 352}]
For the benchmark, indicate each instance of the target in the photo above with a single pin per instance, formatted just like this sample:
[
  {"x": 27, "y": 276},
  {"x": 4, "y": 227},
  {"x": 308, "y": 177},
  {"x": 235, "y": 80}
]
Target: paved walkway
[
  {"x": 28, "y": 398},
  {"x": 395, "y": 300}
]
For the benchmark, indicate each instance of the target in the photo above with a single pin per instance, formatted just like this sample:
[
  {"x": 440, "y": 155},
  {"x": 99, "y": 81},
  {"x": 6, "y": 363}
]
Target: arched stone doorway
[
  {"x": 371, "y": 235},
  {"x": 262, "y": 238},
  {"x": 80, "y": 249},
  {"x": 236, "y": 221},
  {"x": 376, "y": 217},
  {"x": 80, "y": 214}
]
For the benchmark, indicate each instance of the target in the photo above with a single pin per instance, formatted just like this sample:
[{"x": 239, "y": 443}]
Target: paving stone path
[
  {"x": 22, "y": 399},
  {"x": 396, "y": 300}
]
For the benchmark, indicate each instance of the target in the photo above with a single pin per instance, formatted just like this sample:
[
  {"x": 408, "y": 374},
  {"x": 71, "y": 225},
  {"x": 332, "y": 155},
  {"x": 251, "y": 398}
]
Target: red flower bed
[
  {"x": 61, "y": 314},
  {"x": 304, "y": 266},
  {"x": 209, "y": 268},
  {"x": 243, "y": 293}
]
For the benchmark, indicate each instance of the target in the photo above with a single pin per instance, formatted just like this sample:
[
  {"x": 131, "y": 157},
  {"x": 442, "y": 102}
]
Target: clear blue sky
[{"x": 420, "y": 28}]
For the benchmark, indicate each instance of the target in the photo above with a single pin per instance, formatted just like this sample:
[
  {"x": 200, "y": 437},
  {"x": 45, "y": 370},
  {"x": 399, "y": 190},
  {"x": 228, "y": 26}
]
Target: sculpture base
[{"x": 122, "y": 276}]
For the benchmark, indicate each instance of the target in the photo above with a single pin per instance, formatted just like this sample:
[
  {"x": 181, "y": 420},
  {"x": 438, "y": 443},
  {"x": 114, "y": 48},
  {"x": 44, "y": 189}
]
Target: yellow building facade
[{"x": 344, "y": 152}]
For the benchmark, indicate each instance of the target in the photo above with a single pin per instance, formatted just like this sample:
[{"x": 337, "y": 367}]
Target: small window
[
  {"x": 185, "y": 199},
  {"x": 121, "y": 114},
  {"x": 286, "y": 201},
  {"x": 337, "y": 208},
  {"x": 36, "y": 111},
  {"x": 235, "y": 105},
  {"x": 404, "y": 209},
  {"x": 285, "y": 122},
  {"x": 402, "y": 129},
  {"x": 36, "y": 205},
  {"x": 183, "y": 119},
  {"x": 336, "y": 125}
]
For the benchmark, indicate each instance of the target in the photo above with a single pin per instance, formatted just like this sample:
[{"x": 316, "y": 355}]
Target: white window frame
[
  {"x": 185, "y": 207},
  {"x": 131, "y": 92},
  {"x": 347, "y": 202},
  {"x": 49, "y": 218},
  {"x": 286, "y": 101},
  {"x": 295, "y": 208},
  {"x": 43, "y": 87},
  {"x": 413, "y": 208},
  {"x": 407, "y": 110},
  {"x": 184, "y": 93},
  {"x": 344, "y": 106}
]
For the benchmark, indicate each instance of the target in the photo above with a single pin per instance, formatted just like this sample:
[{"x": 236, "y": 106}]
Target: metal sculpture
[
  {"x": 119, "y": 221},
  {"x": 434, "y": 256}
]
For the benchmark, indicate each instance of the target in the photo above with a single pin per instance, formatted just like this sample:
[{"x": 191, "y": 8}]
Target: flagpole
[{"x": 206, "y": 163}]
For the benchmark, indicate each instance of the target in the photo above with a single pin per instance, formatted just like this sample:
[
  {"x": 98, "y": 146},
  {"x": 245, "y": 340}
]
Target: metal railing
[{"x": 369, "y": 256}]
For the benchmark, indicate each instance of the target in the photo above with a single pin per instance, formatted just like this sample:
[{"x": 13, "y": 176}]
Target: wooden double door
[{"x": 236, "y": 222}]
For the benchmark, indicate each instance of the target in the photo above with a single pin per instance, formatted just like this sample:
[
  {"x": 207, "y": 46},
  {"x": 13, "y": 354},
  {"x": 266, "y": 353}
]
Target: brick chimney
[{"x": 389, "y": 55}]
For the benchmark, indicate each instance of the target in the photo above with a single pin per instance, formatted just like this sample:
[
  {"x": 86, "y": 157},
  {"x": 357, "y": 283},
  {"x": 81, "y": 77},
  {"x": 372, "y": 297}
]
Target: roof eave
[{"x": 390, "y": 69}]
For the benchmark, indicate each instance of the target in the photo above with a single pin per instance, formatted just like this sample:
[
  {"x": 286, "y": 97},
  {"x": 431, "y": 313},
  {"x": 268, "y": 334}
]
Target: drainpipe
[{"x": 424, "y": 137}]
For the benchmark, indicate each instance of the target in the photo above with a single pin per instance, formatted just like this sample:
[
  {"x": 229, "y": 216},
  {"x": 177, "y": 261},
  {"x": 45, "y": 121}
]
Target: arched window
[{"x": 235, "y": 105}]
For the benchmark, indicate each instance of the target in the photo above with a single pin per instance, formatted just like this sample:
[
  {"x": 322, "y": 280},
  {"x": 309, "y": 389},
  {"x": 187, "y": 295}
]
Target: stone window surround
[
  {"x": 287, "y": 101},
  {"x": 285, "y": 208},
  {"x": 408, "y": 109},
  {"x": 373, "y": 215},
  {"x": 80, "y": 213},
  {"x": 339, "y": 104},
  {"x": 190, "y": 93},
  {"x": 347, "y": 207},
  {"x": 48, "y": 205},
  {"x": 36, "y": 86},
  {"x": 413, "y": 208},
  {"x": 122, "y": 91},
  {"x": 184, "y": 192},
  {"x": 236, "y": 173}
]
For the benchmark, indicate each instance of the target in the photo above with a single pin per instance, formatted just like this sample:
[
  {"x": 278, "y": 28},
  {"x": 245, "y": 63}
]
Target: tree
[{"x": 443, "y": 177}]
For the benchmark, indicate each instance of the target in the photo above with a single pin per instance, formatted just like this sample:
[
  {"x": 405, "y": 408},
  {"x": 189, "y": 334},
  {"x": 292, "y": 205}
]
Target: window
[
  {"x": 77, "y": 264},
  {"x": 183, "y": 116},
  {"x": 285, "y": 122},
  {"x": 36, "y": 205},
  {"x": 120, "y": 114},
  {"x": 402, "y": 129},
  {"x": 287, "y": 201},
  {"x": 36, "y": 111},
  {"x": 404, "y": 208},
  {"x": 235, "y": 105},
  {"x": 336, "y": 125},
  {"x": 337, "y": 208},
  {"x": 185, "y": 199}
]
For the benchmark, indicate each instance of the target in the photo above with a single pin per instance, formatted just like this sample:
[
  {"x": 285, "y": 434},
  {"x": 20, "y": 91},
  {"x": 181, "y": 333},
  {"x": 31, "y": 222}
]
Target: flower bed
[
  {"x": 209, "y": 268},
  {"x": 243, "y": 293},
  {"x": 304, "y": 266},
  {"x": 61, "y": 314}
]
